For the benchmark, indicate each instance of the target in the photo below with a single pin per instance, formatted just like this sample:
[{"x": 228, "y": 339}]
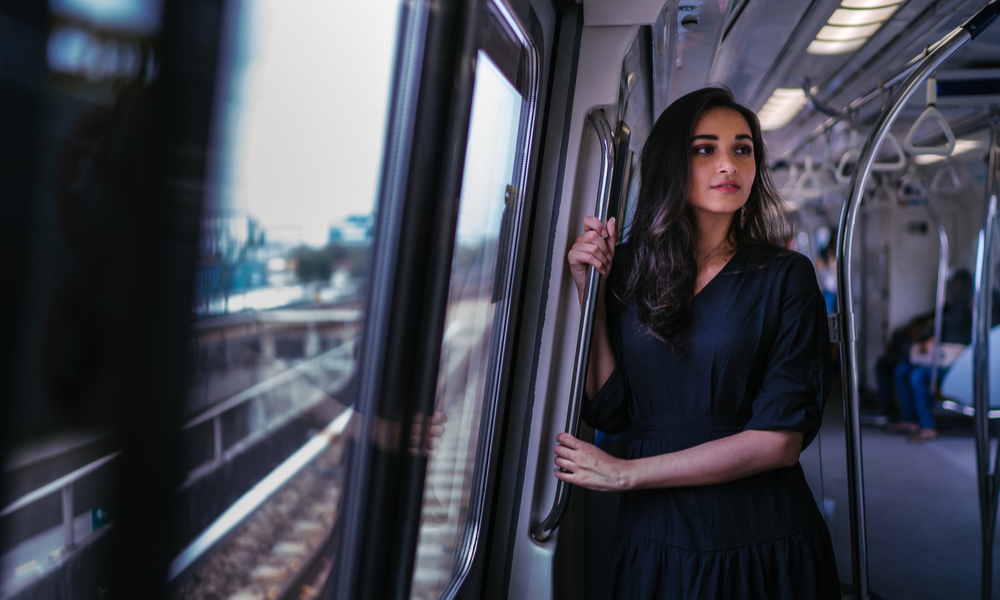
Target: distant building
[
  {"x": 354, "y": 230},
  {"x": 232, "y": 256}
]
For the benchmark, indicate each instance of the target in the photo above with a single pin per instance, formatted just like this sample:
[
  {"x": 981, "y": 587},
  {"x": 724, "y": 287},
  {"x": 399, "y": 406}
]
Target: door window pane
[{"x": 475, "y": 328}]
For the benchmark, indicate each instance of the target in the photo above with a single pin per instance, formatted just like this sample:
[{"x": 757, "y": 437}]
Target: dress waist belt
[{"x": 687, "y": 429}]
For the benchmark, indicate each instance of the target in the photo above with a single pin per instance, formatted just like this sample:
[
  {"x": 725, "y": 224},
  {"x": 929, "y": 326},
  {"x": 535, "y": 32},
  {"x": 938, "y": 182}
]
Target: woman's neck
[{"x": 713, "y": 237}]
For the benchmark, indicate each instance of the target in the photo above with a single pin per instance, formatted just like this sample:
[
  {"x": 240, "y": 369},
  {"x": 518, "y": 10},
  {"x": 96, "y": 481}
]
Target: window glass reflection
[
  {"x": 474, "y": 322},
  {"x": 279, "y": 291}
]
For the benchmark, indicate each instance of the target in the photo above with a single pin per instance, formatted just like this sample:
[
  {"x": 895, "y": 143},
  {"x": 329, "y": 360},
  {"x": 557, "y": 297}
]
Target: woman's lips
[{"x": 728, "y": 187}]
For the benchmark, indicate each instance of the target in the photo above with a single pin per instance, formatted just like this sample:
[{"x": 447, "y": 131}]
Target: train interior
[{"x": 287, "y": 309}]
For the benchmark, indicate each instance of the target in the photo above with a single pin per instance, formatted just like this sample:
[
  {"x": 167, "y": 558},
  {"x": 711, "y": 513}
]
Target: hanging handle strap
[
  {"x": 899, "y": 164},
  {"x": 931, "y": 114},
  {"x": 849, "y": 158},
  {"x": 946, "y": 180}
]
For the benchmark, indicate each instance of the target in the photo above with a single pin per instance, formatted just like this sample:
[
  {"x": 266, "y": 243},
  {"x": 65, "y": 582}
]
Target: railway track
[{"x": 282, "y": 551}]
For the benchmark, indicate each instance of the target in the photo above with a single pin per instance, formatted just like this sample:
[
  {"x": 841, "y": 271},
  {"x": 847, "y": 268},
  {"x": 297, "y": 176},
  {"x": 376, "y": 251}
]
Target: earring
[{"x": 743, "y": 216}]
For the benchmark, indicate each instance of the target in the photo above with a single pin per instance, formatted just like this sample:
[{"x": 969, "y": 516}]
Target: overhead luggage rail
[{"x": 915, "y": 75}]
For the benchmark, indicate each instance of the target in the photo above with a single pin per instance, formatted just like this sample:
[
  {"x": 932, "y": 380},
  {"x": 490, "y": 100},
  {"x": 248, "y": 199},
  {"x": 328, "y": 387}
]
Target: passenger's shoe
[
  {"x": 923, "y": 435},
  {"x": 902, "y": 427}
]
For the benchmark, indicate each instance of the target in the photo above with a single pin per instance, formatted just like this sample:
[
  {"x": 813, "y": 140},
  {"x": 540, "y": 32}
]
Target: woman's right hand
[{"x": 596, "y": 247}]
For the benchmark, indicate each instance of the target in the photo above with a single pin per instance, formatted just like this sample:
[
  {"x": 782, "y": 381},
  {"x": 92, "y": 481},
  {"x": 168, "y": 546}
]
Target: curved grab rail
[
  {"x": 845, "y": 319},
  {"x": 931, "y": 113},
  {"x": 543, "y": 531},
  {"x": 893, "y": 167}
]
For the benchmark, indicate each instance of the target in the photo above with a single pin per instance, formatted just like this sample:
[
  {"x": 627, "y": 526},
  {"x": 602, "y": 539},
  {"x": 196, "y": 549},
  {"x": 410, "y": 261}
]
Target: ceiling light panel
[
  {"x": 781, "y": 108},
  {"x": 831, "y": 33},
  {"x": 829, "y": 48},
  {"x": 849, "y": 17},
  {"x": 851, "y": 24}
]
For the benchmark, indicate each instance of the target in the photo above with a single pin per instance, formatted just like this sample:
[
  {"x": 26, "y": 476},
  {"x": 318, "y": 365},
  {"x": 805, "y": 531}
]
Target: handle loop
[
  {"x": 893, "y": 167},
  {"x": 954, "y": 184},
  {"x": 931, "y": 114}
]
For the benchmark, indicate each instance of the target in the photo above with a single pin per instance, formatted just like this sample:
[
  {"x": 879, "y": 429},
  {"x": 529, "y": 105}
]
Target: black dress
[{"x": 758, "y": 359}]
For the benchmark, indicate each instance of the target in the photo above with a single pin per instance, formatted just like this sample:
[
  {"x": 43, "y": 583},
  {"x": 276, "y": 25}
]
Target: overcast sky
[{"x": 305, "y": 140}]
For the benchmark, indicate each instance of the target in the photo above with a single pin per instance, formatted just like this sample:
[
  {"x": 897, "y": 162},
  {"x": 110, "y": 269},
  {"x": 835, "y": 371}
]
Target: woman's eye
[
  {"x": 704, "y": 150},
  {"x": 745, "y": 151}
]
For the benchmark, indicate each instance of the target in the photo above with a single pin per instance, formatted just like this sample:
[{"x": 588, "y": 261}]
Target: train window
[
  {"x": 475, "y": 336},
  {"x": 282, "y": 272}
]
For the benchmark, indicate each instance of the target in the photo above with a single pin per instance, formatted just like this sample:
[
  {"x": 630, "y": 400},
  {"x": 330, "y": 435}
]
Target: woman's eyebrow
[{"x": 715, "y": 138}]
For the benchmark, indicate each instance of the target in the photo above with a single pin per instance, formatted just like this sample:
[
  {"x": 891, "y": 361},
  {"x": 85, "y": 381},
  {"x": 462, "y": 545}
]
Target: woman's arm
[
  {"x": 596, "y": 247},
  {"x": 734, "y": 457}
]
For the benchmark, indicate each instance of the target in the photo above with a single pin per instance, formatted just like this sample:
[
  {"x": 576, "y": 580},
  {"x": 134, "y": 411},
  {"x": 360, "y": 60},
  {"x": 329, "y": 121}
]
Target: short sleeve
[
  {"x": 607, "y": 411},
  {"x": 796, "y": 380}
]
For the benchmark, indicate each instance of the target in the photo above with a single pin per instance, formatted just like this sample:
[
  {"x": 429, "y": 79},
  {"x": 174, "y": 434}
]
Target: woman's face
[{"x": 722, "y": 162}]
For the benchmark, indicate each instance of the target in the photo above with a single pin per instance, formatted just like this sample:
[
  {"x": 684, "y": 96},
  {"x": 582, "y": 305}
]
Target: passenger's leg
[
  {"x": 902, "y": 376},
  {"x": 920, "y": 381}
]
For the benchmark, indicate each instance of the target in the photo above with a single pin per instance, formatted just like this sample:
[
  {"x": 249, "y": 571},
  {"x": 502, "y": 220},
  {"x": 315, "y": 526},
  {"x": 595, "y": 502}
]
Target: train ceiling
[{"x": 758, "y": 47}]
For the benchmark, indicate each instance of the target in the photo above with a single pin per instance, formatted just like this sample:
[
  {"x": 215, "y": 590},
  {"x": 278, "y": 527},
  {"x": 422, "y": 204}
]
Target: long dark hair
[{"x": 659, "y": 267}]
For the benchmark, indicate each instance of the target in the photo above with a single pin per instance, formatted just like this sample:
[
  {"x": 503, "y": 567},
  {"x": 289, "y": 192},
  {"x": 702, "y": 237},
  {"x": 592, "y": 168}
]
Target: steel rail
[
  {"x": 986, "y": 477},
  {"x": 939, "y": 296},
  {"x": 845, "y": 319},
  {"x": 65, "y": 485},
  {"x": 543, "y": 531}
]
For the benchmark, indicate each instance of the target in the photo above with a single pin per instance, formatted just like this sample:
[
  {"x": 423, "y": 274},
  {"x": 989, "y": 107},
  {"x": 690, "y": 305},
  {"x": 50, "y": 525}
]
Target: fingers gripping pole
[{"x": 541, "y": 532}]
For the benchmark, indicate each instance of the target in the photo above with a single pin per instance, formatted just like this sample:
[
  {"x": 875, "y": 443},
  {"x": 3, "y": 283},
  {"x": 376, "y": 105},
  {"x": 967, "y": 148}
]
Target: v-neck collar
[{"x": 723, "y": 270}]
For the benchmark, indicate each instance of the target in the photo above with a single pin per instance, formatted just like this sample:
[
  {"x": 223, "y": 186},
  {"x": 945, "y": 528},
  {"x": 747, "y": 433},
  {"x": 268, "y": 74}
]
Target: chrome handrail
[
  {"x": 64, "y": 484},
  {"x": 929, "y": 63},
  {"x": 543, "y": 531},
  {"x": 939, "y": 296},
  {"x": 987, "y": 478}
]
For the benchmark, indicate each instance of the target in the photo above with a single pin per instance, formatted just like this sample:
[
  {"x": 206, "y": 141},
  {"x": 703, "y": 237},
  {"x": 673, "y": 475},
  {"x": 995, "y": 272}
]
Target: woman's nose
[{"x": 726, "y": 165}]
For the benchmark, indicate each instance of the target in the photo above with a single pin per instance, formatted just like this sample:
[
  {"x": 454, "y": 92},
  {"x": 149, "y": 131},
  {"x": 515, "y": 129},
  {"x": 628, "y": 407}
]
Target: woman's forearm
[
  {"x": 602, "y": 357},
  {"x": 734, "y": 457}
]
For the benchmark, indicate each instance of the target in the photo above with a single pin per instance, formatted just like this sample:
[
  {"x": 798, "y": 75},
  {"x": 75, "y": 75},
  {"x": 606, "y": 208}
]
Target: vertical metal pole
[
  {"x": 942, "y": 283},
  {"x": 863, "y": 346},
  {"x": 217, "y": 436},
  {"x": 981, "y": 313},
  {"x": 67, "y": 510},
  {"x": 849, "y": 335}
]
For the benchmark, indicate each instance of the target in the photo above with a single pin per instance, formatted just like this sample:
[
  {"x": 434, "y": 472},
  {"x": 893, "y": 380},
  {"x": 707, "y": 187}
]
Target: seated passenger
[{"x": 913, "y": 373}]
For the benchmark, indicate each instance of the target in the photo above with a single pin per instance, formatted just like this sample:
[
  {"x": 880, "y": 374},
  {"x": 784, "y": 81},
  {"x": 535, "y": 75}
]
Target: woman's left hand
[{"x": 588, "y": 466}]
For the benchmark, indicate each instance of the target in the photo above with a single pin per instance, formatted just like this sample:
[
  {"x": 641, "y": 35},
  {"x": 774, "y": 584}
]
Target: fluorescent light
[
  {"x": 869, "y": 3},
  {"x": 827, "y": 48},
  {"x": 832, "y": 33},
  {"x": 961, "y": 146},
  {"x": 851, "y": 25},
  {"x": 849, "y": 17},
  {"x": 781, "y": 108}
]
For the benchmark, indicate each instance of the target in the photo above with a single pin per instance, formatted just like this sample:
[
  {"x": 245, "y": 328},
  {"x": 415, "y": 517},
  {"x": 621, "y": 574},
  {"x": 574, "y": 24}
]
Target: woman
[{"x": 712, "y": 352}]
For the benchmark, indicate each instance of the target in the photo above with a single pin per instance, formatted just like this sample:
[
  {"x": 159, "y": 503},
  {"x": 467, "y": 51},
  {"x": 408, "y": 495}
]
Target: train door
[{"x": 421, "y": 518}]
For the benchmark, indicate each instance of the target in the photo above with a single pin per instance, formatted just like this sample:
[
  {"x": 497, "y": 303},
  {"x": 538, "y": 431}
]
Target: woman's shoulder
[{"x": 793, "y": 271}]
